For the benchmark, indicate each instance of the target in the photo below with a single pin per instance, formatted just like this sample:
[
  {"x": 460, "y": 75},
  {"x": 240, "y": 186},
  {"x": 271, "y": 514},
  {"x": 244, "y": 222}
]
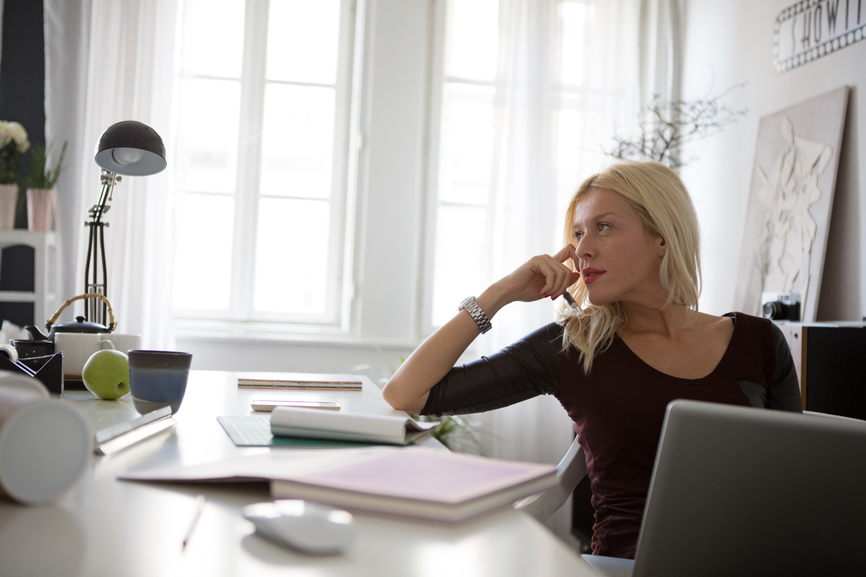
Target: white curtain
[
  {"x": 554, "y": 114},
  {"x": 546, "y": 141},
  {"x": 107, "y": 61},
  {"x": 660, "y": 49}
]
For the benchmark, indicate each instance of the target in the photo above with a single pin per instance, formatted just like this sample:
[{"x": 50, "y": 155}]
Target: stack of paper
[{"x": 413, "y": 482}]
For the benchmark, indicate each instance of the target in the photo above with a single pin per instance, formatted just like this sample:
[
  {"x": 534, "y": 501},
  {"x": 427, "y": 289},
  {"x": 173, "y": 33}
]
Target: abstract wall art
[{"x": 790, "y": 203}]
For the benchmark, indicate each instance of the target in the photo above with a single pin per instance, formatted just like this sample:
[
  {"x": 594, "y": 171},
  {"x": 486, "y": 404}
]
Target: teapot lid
[{"x": 81, "y": 325}]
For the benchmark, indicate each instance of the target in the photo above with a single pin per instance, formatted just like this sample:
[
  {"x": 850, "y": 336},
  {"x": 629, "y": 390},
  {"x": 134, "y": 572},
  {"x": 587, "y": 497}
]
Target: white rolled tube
[
  {"x": 9, "y": 352},
  {"x": 45, "y": 443}
]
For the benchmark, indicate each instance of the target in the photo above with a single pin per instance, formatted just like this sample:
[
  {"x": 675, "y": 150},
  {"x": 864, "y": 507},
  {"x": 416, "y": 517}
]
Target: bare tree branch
[{"x": 667, "y": 126}]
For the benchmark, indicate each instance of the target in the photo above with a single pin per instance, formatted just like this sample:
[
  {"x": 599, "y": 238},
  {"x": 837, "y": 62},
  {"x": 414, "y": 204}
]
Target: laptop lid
[{"x": 744, "y": 491}]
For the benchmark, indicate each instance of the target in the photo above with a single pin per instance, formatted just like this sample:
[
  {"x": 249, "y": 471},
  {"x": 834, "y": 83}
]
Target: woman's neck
[{"x": 667, "y": 320}]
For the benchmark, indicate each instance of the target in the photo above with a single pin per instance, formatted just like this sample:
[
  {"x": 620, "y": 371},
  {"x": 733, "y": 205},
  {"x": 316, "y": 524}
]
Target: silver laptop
[{"x": 738, "y": 491}]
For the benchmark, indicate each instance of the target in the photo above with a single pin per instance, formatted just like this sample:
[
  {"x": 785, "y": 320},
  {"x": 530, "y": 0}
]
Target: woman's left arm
[{"x": 784, "y": 392}]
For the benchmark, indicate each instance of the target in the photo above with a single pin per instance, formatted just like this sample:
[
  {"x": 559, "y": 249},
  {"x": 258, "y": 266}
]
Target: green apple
[{"x": 106, "y": 374}]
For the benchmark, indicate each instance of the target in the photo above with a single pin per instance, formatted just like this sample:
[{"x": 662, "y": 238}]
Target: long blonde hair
[{"x": 660, "y": 199}]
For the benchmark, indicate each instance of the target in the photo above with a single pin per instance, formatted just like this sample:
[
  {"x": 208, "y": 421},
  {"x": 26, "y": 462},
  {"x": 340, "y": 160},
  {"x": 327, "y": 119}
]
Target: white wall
[
  {"x": 731, "y": 41},
  {"x": 387, "y": 221}
]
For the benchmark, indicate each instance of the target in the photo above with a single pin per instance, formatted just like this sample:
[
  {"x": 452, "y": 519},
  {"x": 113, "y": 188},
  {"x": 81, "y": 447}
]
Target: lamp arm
[
  {"x": 96, "y": 245},
  {"x": 108, "y": 180}
]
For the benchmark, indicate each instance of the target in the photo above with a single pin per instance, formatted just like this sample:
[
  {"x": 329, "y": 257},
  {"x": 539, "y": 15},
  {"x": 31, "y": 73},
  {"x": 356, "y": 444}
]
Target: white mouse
[{"x": 303, "y": 526}]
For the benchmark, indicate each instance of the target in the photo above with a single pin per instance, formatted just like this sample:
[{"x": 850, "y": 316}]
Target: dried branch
[{"x": 667, "y": 126}]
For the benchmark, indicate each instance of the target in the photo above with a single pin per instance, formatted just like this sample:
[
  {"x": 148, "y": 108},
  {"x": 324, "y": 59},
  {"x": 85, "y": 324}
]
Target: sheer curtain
[
  {"x": 560, "y": 96},
  {"x": 107, "y": 61},
  {"x": 571, "y": 73},
  {"x": 661, "y": 41}
]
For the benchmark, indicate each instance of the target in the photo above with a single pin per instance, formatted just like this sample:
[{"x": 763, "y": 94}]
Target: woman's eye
[
  {"x": 578, "y": 235},
  {"x": 603, "y": 226}
]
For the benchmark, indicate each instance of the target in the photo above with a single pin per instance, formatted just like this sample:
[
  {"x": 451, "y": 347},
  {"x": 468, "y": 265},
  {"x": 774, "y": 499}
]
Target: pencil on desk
[{"x": 199, "y": 505}]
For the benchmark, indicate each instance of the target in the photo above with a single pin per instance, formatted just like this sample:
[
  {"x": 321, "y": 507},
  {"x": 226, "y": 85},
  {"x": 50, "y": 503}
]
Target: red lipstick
[{"x": 591, "y": 274}]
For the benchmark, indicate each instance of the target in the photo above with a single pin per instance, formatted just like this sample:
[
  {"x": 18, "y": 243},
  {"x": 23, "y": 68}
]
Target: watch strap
[{"x": 470, "y": 306}]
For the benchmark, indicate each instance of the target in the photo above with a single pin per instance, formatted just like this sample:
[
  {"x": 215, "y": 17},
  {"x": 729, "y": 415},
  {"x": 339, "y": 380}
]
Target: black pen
[{"x": 573, "y": 305}]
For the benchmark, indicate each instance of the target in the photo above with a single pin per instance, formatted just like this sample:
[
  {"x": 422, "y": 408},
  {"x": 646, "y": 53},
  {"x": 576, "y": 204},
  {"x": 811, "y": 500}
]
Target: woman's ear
[{"x": 662, "y": 247}]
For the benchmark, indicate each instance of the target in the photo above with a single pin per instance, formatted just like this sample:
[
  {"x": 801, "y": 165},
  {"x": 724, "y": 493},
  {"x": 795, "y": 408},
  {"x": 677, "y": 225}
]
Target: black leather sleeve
[
  {"x": 520, "y": 371},
  {"x": 784, "y": 391}
]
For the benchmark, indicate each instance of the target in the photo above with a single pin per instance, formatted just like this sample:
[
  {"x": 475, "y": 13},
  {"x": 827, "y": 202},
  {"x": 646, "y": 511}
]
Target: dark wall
[
  {"x": 22, "y": 99},
  {"x": 22, "y": 74}
]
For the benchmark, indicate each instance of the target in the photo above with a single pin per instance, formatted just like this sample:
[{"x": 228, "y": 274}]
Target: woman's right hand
[{"x": 540, "y": 277}]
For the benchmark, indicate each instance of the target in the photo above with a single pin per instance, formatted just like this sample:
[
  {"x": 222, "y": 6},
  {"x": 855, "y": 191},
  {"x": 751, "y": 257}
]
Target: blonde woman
[{"x": 635, "y": 343}]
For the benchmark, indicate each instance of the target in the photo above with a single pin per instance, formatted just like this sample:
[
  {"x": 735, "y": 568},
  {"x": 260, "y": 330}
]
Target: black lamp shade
[{"x": 131, "y": 148}]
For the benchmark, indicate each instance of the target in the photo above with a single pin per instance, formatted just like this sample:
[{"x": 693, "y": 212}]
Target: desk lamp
[{"x": 128, "y": 148}]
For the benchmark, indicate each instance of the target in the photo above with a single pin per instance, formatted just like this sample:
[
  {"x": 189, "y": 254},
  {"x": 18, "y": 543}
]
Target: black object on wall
[
  {"x": 22, "y": 98},
  {"x": 22, "y": 73}
]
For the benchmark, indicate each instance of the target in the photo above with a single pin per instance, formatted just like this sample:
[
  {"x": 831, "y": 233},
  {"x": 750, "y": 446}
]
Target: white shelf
[
  {"x": 44, "y": 294},
  {"x": 17, "y": 297}
]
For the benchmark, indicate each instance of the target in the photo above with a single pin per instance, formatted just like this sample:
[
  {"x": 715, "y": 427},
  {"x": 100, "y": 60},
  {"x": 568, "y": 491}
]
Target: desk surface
[{"x": 108, "y": 527}]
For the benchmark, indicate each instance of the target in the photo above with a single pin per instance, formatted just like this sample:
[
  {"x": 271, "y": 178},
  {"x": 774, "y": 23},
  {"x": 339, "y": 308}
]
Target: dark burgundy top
[{"x": 618, "y": 409}]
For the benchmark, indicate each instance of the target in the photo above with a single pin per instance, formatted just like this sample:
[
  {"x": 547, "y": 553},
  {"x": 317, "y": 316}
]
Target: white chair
[{"x": 570, "y": 470}]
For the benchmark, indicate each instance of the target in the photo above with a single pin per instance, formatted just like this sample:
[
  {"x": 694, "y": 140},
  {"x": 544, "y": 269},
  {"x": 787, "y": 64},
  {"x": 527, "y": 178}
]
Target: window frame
[
  {"x": 432, "y": 148},
  {"x": 240, "y": 317},
  {"x": 438, "y": 80}
]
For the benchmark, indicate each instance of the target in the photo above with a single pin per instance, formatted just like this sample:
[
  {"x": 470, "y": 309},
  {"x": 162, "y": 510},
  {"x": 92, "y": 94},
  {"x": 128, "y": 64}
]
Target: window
[
  {"x": 262, "y": 122},
  {"x": 554, "y": 76},
  {"x": 466, "y": 154}
]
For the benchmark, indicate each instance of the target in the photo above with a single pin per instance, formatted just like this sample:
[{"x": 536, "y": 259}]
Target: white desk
[{"x": 106, "y": 527}]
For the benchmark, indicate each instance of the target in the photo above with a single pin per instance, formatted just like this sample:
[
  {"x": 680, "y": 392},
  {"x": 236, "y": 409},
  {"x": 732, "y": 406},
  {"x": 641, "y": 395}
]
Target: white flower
[{"x": 14, "y": 132}]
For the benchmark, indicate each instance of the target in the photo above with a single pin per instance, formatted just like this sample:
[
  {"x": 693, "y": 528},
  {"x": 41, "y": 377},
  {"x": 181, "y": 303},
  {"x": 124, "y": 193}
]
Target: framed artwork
[{"x": 790, "y": 202}]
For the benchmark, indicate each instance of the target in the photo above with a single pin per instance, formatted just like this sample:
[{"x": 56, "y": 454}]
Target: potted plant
[
  {"x": 13, "y": 142},
  {"x": 41, "y": 195}
]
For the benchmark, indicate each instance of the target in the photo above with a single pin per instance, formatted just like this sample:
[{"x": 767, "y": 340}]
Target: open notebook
[{"x": 297, "y": 427}]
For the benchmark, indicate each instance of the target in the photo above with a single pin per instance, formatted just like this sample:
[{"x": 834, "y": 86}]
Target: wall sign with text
[{"x": 811, "y": 29}]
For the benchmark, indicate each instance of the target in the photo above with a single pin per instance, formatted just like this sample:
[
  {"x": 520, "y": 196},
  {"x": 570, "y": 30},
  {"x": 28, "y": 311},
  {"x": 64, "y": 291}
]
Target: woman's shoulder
[
  {"x": 758, "y": 331},
  {"x": 707, "y": 320},
  {"x": 749, "y": 321}
]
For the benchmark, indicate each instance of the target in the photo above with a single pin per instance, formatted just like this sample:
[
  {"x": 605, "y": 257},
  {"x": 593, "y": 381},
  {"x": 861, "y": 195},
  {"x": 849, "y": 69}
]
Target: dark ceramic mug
[{"x": 158, "y": 379}]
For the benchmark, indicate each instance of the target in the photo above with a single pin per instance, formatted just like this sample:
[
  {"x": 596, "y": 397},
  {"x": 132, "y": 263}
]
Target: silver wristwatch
[{"x": 471, "y": 307}]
